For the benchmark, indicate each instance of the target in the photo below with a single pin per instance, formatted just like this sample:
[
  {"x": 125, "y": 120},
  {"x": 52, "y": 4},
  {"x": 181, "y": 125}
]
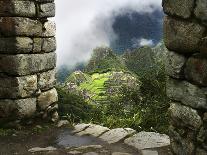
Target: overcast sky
[{"x": 85, "y": 24}]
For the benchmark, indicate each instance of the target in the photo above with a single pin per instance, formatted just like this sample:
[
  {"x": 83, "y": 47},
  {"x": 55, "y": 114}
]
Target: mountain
[
  {"x": 145, "y": 59},
  {"x": 106, "y": 74},
  {"x": 104, "y": 59}
]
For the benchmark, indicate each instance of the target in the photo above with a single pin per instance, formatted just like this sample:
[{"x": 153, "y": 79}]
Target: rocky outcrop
[
  {"x": 185, "y": 36},
  {"x": 27, "y": 74}
]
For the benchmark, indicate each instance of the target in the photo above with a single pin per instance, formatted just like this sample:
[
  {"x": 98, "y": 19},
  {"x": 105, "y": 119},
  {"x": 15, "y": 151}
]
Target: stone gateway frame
[{"x": 28, "y": 61}]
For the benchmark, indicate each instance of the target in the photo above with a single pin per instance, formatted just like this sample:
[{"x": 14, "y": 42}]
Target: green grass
[{"x": 96, "y": 86}]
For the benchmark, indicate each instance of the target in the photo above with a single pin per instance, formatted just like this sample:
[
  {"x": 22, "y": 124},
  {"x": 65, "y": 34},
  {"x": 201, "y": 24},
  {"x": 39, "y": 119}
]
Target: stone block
[
  {"x": 196, "y": 69},
  {"x": 44, "y": 45},
  {"x": 116, "y": 135},
  {"x": 17, "y": 8},
  {"x": 182, "y": 36},
  {"x": 18, "y": 87},
  {"x": 49, "y": 29},
  {"x": 44, "y": 1},
  {"x": 181, "y": 145},
  {"x": 25, "y": 64},
  {"x": 46, "y": 10},
  {"x": 183, "y": 116},
  {"x": 17, "y": 109},
  {"x": 187, "y": 93},
  {"x": 47, "y": 80},
  {"x": 17, "y": 26},
  {"x": 203, "y": 46},
  {"x": 148, "y": 140},
  {"x": 94, "y": 130},
  {"x": 181, "y": 8},
  {"x": 200, "y": 10},
  {"x": 201, "y": 151},
  {"x": 16, "y": 45},
  {"x": 47, "y": 98},
  {"x": 175, "y": 65}
]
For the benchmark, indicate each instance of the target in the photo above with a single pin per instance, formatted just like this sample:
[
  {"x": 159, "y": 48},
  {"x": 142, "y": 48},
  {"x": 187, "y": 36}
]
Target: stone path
[{"x": 119, "y": 141}]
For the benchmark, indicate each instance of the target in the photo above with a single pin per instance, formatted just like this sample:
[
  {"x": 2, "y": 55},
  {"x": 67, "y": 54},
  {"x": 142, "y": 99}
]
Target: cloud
[
  {"x": 83, "y": 25},
  {"x": 142, "y": 42}
]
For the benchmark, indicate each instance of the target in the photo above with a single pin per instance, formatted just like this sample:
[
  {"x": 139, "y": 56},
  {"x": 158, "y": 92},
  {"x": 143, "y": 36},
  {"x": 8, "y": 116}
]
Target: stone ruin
[
  {"x": 185, "y": 35},
  {"x": 27, "y": 60}
]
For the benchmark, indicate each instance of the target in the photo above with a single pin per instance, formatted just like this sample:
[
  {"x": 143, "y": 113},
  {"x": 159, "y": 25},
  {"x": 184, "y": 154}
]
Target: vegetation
[
  {"x": 103, "y": 60},
  {"x": 139, "y": 100}
]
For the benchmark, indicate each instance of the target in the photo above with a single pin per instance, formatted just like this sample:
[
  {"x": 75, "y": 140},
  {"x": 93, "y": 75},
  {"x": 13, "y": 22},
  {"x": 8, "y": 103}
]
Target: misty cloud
[{"x": 83, "y": 25}]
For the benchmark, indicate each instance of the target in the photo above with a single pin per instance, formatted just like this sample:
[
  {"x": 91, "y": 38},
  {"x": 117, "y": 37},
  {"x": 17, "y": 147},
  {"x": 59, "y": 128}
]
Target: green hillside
[
  {"x": 103, "y": 59},
  {"x": 120, "y": 91}
]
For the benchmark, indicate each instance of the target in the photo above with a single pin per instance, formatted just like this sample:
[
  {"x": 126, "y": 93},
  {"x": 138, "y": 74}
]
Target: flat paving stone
[
  {"x": 94, "y": 130},
  {"x": 149, "y": 152},
  {"x": 80, "y": 127},
  {"x": 116, "y": 135},
  {"x": 39, "y": 149},
  {"x": 148, "y": 140},
  {"x": 75, "y": 152},
  {"x": 120, "y": 153},
  {"x": 87, "y": 147},
  {"x": 91, "y": 153}
]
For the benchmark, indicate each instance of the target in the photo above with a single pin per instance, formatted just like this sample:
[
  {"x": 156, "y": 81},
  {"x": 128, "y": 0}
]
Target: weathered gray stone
[
  {"x": 201, "y": 152},
  {"x": 16, "y": 45},
  {"x": 46, "y": 10},
  {"x": 62, "y": 123},
  {"x": 120, "y": 153},
  {"x": 47, "y": 80},
  {"x": 148, "y": 140},
  {"x": 196, "y": 69},
  {"x": 18, "y": 87},
  {"x": 202, "y": 136},
  {"x": 203, "y": 46},
  {"x": 189, "y": 94},
  {"x": 181, "y": 8},
  {"x": 44, "y": 45},
  {"x": 182, "y": 36},
  {"x": 44, "y": 1},
  {"x": 200, "y": 10},
  {"x": 175, "y": 64},
  {"x": 116, "y": 135},
  {"x": 17, "y": 8},
  {"x": 80, "y": 127},
  {"x": 87, "y": 147},
  {"x": 183, "y": 116},
  {"x": 181, "y": 145},
  {"x": 94, "y": 130},
  {"x": 47, "y": 98},
  {"x": 75, "y": 152},
  {"x": 205, "y": 117},
  {"x": 55, "y": 116},
  {"x": 39, "y": 149},
  {"x": 49, "y": 29},
  {"x": 149, "y": 152},
  {"x": 24, "y": 64},
  {"x": 91, "y": 153},
  {"x": 17, "y": 109},
  {"x": 17, "y": 26}
]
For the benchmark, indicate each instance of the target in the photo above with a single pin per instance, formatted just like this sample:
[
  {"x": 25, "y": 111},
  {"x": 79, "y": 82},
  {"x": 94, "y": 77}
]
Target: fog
[{"x": 83, "y": 25}]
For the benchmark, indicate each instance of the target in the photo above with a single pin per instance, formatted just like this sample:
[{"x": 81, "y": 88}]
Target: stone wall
[
  {"x": 185, "y": 35},
  {"x": 27, "y": 60}
]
